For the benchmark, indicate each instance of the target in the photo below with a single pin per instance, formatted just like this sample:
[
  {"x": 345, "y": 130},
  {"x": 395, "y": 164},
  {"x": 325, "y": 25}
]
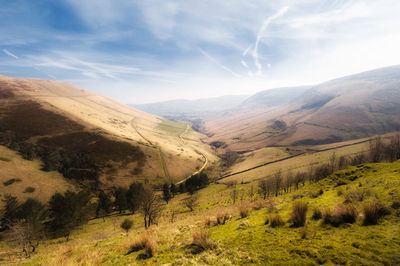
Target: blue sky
[{"x": 148, "y": 50}]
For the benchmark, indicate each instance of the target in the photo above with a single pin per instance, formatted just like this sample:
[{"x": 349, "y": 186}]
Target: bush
[
  {"x": 223, "y": 217},
  {"x": 317, "y": 214},
  {"x": 244, "y": 211},
  {"x": 201, "y": 241},
  {"x": 29, "y": 190},
  {"x": 275, "y": 220},
  {"x": 144, "y": 242},
  {"x": 127, "y": 225},
  {"x": 373, "y": 211},
  {"x": 299, "y": 213},
  {"x": 11, "y": 181}
]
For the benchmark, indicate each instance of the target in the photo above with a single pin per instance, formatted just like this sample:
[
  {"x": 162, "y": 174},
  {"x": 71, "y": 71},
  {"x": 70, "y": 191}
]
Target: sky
[{"x": 154, "y": 50}]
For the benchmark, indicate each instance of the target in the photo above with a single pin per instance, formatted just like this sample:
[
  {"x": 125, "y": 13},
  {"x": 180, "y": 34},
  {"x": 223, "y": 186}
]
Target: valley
[{"x": 212, "y": 186}]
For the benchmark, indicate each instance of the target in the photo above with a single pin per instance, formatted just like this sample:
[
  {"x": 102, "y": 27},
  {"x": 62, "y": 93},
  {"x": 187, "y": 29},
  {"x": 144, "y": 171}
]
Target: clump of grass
[
  {"x": 11, "y": 181},
  {"x": 354, "y": 196},
  {"x": 257, "y": 206},
  {"x": 29, "y": 190},
  {"x": 317, "y": 214},
  {"x": 244, "y": 211},
  {"x": 342, "y": 214},
  {"x": 146, "y": 243},
  {"x": 201, "y": 241},
  {"x": 304, "y": 232},
  {"x": 395, "y": 204},
  {"x": 275, "y": 220},
  {"x": 299, "y": 213},
  {"x": 346, "y": 213},
  {"x": 373, "y": 211},
  {"x": 223, "y": 217},
  {"x": 210, "y": 222}
]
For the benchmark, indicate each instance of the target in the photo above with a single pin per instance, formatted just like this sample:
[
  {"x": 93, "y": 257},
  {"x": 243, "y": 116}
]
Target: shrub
[
  {"x": 257, "y": 205},
  {"x": 373, "y": 211},
  {"x": 299, "y": 213},
  {"x": 317, "y": 214},
  {"x": 144, "y": 242},
  {"x": 201, "y": 241},
  {"x": 275, "y": 220},
  {"x": 11, "y": 181},
  {"x": 223, "y": 217},
  {"x": 127, "y": 225},
  {"x": 29, "y": 190},
  {"x": 244, "y": 211}
]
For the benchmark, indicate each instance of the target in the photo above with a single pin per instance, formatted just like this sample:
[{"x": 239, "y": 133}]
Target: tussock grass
[
  {"x": 244, "y": 211},
  {"x": 275, "y": 220},
  {"x": 146, "y": 243},
  {"x": 201, "y": 241},
  {"x": 299, "y": 213},
  {"x": 317, "y": 213},
  {"x": 374, "y": 210}
]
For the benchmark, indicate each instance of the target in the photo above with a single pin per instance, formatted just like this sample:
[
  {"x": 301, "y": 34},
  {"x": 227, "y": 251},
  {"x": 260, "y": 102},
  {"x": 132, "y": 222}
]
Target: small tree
[
  {"x": 127, "y": 225},
  {"x": 104, "y": 205},
  {"x": 263, "y": 187},
  {"x": 10, "y": 211},
  {"x": 173, "y": 189},
  {"x": 166, "y": 193},
  {"x": 191, "y": 202},
  {"x": 120, "y": 199},
  {"x": 133, "y": 196}
]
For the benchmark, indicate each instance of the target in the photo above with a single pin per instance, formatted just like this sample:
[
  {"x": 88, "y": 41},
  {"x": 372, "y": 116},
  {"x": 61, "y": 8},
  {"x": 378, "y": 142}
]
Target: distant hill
[
  {"x": 93, "y": 139},
  {"x": 346, "y": 108},
  {"x": 189, "y": 108}
]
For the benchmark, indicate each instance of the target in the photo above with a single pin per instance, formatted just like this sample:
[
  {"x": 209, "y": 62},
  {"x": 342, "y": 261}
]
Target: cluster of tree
[
  {"x": 27, "y": 224},
  {"x": 139, "y": 197},
  {"x": 379, "y": 150},
  {"x": 194, "y": 183}
]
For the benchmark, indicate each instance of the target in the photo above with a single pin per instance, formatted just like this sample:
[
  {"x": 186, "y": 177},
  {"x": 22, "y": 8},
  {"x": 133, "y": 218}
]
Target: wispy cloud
[
  {"x": 260, "y": 34},
  {"x": 10, "y": 54},
  {"x": 227, "y": 69}
]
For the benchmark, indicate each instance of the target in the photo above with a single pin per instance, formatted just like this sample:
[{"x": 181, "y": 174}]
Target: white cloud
[{"x": 10, "y": 54}]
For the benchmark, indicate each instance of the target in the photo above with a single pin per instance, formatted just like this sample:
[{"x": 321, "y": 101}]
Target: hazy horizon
[{"x": 144, "y": 52}]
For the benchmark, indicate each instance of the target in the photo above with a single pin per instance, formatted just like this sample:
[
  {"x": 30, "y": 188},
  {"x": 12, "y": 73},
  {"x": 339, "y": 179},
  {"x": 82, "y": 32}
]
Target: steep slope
[
  {"x": 347, "y": 108},
  {"x": 88, "y": 136}
]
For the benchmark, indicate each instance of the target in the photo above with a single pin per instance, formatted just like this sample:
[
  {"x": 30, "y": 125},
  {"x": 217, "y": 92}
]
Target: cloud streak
[
  {"x": 260, "y": 34},
  {"x": 10, "y": 54}
]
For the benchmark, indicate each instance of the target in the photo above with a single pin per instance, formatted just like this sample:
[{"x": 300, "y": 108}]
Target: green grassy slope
[{"x": 247, "y": 240}]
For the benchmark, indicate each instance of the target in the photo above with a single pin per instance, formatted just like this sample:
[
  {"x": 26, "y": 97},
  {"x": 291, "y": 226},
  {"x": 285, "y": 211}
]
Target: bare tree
[
  {"x": 149, "y": 206},
  {"x": 191, "y": 202},
  {"x": 234, "y": 194},
  {"x": 25, "y": 235},
  {"x": 333, "y": 162},
  {"x": 277, "y": 180}
]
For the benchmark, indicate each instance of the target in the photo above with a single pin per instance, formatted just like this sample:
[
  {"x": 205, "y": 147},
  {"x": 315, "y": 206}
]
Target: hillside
[
  {"x": 91, "y": 137},
  {"x": 247, "y": 239},
  {"x": 347, "y": 108}
]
